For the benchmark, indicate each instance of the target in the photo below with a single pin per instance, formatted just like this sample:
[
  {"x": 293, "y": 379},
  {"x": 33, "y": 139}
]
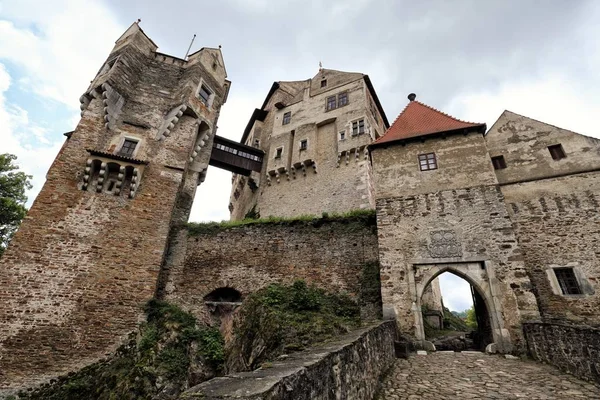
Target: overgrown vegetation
[
  {"x": 280, "y": 319},
  {"x": 364, "y": 217},
  {"x": 167, "y": 354},
  {"x": 451, "y": 321}
]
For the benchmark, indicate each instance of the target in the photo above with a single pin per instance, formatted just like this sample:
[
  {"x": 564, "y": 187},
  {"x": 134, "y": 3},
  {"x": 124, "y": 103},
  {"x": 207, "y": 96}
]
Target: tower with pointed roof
[
  {"x": 314, "y": 134},
  {"x": 88, "y": 255}
]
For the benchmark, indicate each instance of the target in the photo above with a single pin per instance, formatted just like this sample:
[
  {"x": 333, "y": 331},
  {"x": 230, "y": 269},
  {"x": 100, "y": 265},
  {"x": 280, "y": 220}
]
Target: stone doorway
[{"x": 487, "y": 306}]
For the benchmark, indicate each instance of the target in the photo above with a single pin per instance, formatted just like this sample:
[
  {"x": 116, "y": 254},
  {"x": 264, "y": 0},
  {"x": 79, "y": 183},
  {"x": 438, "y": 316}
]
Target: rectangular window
[
  {"x": 204, "y": 94},
  {"x": 557, "y": 152},
  {"x": 303, "y": 144},
  {"x": 342, "y": 135},
  {"x": 287, "y": 117},
  {"x": 427, "y": 162},
  {"x": 128, "y": 148},
  {"x": 342, "y": 99},
  {"x": 358, "y": 127},
  {"x": 567, "y": 280},
  {"x": 499, "y": 162},
  {"x": 278, "y": 152},
  {"x": 331, "y": 103},
  {"x": 324, "y": 83}
]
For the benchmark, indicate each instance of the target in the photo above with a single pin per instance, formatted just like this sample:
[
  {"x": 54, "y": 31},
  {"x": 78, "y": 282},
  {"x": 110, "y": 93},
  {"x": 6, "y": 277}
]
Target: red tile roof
[{"x": 418, "y": 119}]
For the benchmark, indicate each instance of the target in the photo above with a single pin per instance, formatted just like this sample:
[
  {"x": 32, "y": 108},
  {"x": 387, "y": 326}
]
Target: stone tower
[
  {"x": 89, "y": 253},
  {"x": 314, "y": 135}
]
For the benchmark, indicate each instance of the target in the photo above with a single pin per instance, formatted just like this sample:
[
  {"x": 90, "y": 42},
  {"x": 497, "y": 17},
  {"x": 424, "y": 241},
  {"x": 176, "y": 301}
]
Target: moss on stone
[
  {"x": 362, "y": 217},
  {"x": 280, "y": 319},
  {"x": 166, "y": 355}
]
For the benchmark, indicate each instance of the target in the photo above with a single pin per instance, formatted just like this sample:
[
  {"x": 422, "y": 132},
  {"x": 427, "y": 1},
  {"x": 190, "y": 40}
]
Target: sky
[{"x": 470, "y": 58}]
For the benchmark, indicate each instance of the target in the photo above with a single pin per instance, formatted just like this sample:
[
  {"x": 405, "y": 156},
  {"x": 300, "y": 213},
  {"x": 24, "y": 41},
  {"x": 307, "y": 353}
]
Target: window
[
  {"x": 427, "y": 162},
  {"x": 567, "y": 280},
  {"x": 303, "y": 144},
  {"x": 278, "y": 152},
  {"x": 358, "y": 127},
  {"x": 499, "y": 162},
  {"x": 324, "y": 83},
  {"x": 204, "y": 93},
  {"x": 342, "y": 99},
  {"x": 342, "y": 135},
  {"x": 287, "y": 117},
  {"x": 256, "y": 143},
  {"x": 557, "y": 152},
  {"x": 128, "y": 148},
  {"x": 331, "y": 103}
]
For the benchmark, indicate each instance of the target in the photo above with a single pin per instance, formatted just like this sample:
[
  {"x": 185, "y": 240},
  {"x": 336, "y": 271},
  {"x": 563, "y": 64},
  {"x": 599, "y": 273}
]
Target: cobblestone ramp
[{"x": 474, "y": 375}]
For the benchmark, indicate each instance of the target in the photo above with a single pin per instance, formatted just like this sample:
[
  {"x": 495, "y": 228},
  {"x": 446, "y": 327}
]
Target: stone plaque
[{"x": 444, "y": 244}]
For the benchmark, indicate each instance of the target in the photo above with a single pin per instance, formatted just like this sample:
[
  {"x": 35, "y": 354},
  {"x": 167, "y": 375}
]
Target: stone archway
[{"x": 480, "y": 277}]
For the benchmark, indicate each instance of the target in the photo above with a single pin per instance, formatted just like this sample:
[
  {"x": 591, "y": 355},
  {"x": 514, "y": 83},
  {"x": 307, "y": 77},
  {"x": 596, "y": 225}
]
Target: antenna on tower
[{"x": 188, "y": 50}]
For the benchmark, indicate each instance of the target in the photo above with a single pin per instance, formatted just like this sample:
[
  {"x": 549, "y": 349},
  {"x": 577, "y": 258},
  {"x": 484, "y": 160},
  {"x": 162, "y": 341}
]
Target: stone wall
[
  {"x": 349, "y": 368},
  {"x": 332, "y": 254},
  {"x": 557, "y": 222},
  {"x": 432, "y": 296},
  {"x": 574, "y": 349}
]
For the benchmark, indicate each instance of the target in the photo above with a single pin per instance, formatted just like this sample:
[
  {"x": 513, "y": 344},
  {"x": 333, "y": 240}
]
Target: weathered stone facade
[
  {"x": 314, "y": 134},
  {"x": 88, "y": 255},
  {"x": 335, "y": 255}
]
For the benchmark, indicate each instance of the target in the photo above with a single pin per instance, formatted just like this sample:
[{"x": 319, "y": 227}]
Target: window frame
[
  {"x": 328, "y": 103},
  {"x": 323, "y": 83},
  {"x": 566, "y": 278},
  {"x": 287, "y": 118},
  {"x": 126, "y": 140},
  {"x": 339, "y": 96},
  {"x": 358, "y": 127},
  {"x": 278, "y": 153},
  {"x": 342, "y": 135},
  {"x": 499, "y": 162},
  {"x": 303, "y": 144},
  {"x": 427, "y": 157},
  {"x": 208, "y": 91},
  {"x": 557, "y": 152}
]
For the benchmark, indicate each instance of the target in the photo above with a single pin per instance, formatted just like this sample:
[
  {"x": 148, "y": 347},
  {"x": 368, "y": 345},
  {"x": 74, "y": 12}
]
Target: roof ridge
[{"x": 443, "y": 113}]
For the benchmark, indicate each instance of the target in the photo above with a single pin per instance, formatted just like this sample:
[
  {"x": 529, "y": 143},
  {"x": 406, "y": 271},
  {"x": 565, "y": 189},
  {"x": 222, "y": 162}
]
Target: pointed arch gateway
[{"x": 483, "y": 283}]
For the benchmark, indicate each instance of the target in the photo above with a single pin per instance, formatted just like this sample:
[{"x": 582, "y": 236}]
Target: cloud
[{"x": 456, "y": 292}]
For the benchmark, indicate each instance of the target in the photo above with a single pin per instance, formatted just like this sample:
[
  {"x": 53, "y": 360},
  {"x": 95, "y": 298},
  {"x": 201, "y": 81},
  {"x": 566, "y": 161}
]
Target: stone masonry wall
[
  {"x": 349, "y": 368},
  {"x": 557, "y": 223},
  {"x": 330, "y": 254},
  {"x": 574, "y": 349}
]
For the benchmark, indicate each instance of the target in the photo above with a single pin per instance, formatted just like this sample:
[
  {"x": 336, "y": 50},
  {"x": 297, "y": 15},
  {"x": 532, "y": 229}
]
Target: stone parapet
[
  {"x": 574, "y": 349},
  {"x": 349, "y": 368}
]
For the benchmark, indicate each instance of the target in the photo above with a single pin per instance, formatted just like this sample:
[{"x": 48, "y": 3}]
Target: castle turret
[{"x": 88, "y": 255}]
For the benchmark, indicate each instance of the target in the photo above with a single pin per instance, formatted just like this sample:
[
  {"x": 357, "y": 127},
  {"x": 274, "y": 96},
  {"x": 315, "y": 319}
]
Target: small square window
[
  {"x": 287, "y": 117},
  {"x": 557, "y": 152},
  {"x": 324, "y": 83},
  {"x": 342, "y": 135},
  {"x": 128, "y": 148},
  {"x": 204, "y": 93},
  {"x": 567, "y": 280},
  {"x": 278, "y": 152},
  {"x": 499, "y": 162},
  {"x": 303, "y": 144},
  {"x": 342, "y": 99},
  {"x": 427, "y": 162},
  {"x": 331, "y": 103}
]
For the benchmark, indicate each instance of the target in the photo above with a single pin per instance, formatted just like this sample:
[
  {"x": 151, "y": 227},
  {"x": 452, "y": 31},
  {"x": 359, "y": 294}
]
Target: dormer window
[
  {"x": 205, "y": 94},
  {"x": 128, "y": 148}
]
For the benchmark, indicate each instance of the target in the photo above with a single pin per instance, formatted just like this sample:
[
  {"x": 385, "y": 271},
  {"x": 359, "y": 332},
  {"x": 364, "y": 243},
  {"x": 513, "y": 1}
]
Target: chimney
[{"x": 412, "y": 97}]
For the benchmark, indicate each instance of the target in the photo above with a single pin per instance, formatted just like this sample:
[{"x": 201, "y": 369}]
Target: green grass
[{"x": 366, "y": 217}]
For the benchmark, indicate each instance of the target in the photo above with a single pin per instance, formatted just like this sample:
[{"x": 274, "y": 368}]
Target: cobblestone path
[{"x": 474, "y": 375}]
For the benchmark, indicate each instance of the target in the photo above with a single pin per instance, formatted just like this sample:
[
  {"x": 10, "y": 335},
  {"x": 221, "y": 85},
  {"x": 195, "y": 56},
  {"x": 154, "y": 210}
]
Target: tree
[
  {"x": 471, "y": 319},
  {"x": 13, "y": 185}
]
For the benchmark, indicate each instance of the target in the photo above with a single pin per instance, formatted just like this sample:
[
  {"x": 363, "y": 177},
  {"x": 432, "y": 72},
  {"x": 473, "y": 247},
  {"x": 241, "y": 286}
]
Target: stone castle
[{"x": 514, "y": 210}]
